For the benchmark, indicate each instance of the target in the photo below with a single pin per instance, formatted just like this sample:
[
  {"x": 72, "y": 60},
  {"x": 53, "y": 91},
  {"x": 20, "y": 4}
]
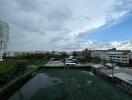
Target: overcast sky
[{"x": 67, "y": 25}]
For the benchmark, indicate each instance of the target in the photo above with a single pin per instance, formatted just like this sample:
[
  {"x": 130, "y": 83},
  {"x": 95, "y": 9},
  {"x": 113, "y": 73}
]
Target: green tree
[{"x": 96, "y": 60}]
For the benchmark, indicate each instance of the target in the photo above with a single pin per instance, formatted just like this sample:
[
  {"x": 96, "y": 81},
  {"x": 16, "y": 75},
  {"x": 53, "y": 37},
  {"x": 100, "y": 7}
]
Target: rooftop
[
  {"x": 97, "y": 66},
  {"x": 124, "y": 77},
  {"x": 115, "y": 52}
]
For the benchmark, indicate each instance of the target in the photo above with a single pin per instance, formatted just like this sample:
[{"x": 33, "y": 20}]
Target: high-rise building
[{"x": 4, "y": 38}]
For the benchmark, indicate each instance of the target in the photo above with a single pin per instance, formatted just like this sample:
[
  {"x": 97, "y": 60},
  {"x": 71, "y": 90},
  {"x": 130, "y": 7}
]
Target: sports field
[{"x": 78, "y": 85}]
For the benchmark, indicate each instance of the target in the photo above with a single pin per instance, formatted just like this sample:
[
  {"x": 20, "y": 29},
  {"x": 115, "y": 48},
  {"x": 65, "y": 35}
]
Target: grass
[
  {"x": 6, "y": 90},
  {"x": 78, "y": 85},
  {"x": 9, "y": 65},
  {"x": 7, "y": 68}
]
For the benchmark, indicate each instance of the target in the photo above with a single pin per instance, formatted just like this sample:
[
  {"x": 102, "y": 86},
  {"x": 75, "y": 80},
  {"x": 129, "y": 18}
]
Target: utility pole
[{"x": 112, "y": 70}]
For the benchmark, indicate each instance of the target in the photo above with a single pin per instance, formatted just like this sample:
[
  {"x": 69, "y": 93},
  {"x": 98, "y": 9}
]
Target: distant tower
[{"x": 4, "y": 38}]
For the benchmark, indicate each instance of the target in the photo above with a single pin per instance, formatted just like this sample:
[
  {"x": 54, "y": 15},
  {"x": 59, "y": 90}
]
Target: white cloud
[
  {"x": 115, "y": 43},
  {"x": 95, "y": 45},
  {"x": 125, "y": 45},
  {"x": 57, "y": 25}
]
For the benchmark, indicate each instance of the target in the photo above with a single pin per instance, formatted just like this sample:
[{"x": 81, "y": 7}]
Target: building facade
[
  {"x": 130, "y": 55},
  {"x": 4, "y": 38},
  {"x": 119, "y": 57}
]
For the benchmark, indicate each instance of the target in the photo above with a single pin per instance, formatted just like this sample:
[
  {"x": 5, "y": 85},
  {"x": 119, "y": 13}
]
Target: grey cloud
[
  {"x": 58, "y": 16},
  {"x": 35, "y": 21},
  {"x": 27, "y": 5},
  {"x": 59, "y": 13},
  {"x": 30, "y": 6}
]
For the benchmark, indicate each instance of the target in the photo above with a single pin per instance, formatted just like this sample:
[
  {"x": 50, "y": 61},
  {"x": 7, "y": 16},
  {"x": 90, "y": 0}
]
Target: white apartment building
[
  {"x": 130, "y": 55},
  {"x": 119, "y": 57},
  {"x": 99, "y": 53}
]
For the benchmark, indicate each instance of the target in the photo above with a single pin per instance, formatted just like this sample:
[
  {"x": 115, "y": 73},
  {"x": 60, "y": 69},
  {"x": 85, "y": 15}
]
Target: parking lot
[
  {"x": 55, "y": 63},
  {"x": 60, "y": 64}
]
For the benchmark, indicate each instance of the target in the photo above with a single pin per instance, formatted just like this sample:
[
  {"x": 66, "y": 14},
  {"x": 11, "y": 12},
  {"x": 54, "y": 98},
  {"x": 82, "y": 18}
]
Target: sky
[{"x": 67, "y": 25}]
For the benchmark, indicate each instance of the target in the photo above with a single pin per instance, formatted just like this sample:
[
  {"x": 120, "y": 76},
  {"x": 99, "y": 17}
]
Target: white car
[{"x": 69, "y": 62}]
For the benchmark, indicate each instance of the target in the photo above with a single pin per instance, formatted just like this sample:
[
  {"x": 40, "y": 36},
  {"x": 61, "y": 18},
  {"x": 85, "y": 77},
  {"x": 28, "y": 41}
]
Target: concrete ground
[
  {"x": 55, "y": 63},
  {"x": 107, "y": 71},
  {"x": 85, "y": 64},
  {"x": 60, "y": 63}
]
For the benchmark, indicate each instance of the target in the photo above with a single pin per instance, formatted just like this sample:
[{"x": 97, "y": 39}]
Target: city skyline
[{"x": 68, "y": 25}]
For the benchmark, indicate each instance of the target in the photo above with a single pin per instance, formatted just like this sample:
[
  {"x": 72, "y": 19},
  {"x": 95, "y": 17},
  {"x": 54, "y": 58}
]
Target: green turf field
[{"x": 78, "y": 85}]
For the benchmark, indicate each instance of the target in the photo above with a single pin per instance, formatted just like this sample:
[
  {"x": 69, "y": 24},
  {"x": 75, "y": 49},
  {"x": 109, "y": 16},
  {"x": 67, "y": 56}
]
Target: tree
[
  {"x": 96, "y": 60},
  {"x": 87, "y": 55},
  {"x": 74, "y": 54}
]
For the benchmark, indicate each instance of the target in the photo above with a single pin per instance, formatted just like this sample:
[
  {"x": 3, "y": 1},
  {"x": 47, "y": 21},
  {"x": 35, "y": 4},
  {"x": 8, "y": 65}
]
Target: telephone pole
[{"x": 112, "y": 72}]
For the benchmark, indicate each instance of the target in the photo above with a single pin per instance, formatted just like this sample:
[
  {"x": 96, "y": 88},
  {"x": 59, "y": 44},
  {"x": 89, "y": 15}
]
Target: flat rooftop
[
  {"x": 97, "y": 66},
  {"x": 125, "y": 77}
]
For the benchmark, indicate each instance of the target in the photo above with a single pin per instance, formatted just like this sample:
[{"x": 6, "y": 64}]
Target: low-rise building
[
  {"x": 95, "y": 67},
  {"x": 130, "y": 55},
  {"x": 123, "y": 80},
  {"x": 99, "y": 53},
  {"x": 103, "y": 53},
  {"x": 119, "y": 57}
]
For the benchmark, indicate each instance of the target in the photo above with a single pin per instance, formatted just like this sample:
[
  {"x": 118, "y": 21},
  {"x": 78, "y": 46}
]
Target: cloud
[
  {"x": 95, "y": 45},
  {"x": 123, "y": 45},
  {"x": 58, "y": 25}
]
